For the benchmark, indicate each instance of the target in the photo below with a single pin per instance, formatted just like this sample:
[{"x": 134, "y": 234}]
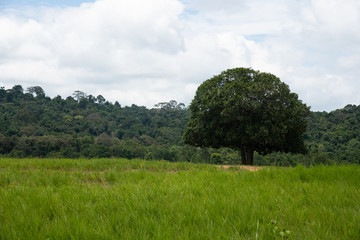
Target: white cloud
[
  {"x": 215, "y": 6},
  {"x": 105, "y": 43},
  {"x": 145, "y": 52}
]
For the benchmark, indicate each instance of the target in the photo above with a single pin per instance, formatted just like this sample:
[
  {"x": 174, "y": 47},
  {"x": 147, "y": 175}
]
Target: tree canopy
[{"x": 249, "y": 111}]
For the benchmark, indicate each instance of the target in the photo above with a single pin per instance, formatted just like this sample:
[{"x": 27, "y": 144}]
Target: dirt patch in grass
[{"x": 250, "y": 168}]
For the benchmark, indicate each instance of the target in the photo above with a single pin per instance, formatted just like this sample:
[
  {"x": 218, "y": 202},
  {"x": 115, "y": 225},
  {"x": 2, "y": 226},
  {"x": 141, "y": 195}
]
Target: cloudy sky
[{"x": 145, "y": 52}]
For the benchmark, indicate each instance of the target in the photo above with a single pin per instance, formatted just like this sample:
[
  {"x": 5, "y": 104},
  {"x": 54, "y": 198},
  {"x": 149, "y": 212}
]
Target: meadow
[{"x": 135, "y": 199}]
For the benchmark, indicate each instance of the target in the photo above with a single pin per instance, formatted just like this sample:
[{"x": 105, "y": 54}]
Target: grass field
[{"x": 133, "y": 199}]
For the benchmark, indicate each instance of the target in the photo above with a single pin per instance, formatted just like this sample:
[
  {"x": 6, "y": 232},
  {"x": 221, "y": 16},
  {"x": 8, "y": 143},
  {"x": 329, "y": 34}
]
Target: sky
[{"x": 144, "y": 52}]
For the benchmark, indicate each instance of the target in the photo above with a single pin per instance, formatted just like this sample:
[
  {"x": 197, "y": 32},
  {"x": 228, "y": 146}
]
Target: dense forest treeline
[{"x": 35, "y": 125}]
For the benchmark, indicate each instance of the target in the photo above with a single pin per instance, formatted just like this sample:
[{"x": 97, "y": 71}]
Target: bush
[{"x": 216, "y": 158}]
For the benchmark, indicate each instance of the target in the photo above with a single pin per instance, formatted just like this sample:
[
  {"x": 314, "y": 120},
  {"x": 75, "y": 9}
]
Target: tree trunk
[
  {"x": 247, "y": 155},
  {"x": 243, "y": 156},
  {"x": 250, "y": 155}
]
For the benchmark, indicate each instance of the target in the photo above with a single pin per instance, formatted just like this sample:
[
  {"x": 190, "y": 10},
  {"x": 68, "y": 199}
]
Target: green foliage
[
  {"x": 335, "y": 137},
  {"x": 34, "y": 125},
  {"x": 85, "y": 126},
  {"x": 249, "y": 111},
  {"x": 215, "y": 158}
]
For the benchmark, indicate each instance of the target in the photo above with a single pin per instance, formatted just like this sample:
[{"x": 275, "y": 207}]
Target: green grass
[{"x": 133, "y": 199}]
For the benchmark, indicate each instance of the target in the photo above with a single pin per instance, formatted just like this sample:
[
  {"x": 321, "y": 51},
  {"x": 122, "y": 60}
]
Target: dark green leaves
[{"x": 244, "y": 107}]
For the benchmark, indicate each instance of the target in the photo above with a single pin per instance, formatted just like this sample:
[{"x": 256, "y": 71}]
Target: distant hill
[
  {"x": 335, "y": 135},
  {"x": 32, "y": 124},
  {"x": 82, "y": 125}
]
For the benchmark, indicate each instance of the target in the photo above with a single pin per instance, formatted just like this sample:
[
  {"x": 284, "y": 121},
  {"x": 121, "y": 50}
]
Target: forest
[{"x": 86, "y": 126}]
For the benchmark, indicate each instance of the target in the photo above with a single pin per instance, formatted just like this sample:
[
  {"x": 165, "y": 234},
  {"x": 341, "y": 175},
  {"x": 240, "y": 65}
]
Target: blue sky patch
[
  {"x": 47, "y": 3},
  {"x": 258, "y": 38}
]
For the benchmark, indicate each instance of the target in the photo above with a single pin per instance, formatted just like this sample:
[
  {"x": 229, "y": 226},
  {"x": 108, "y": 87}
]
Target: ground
[{"x": 250, "y": 168}]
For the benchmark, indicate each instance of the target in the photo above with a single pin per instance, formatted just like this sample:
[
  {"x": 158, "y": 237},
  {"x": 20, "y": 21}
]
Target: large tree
[{"x": 249, "y": 111}]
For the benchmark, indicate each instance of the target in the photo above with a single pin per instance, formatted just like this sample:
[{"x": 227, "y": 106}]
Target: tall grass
[{"x": 133, "y": 199}]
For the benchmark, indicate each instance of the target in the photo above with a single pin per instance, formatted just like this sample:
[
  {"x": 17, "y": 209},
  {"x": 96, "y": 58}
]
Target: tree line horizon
[
  {"x": 34, "y": 125},
  {"x": 76, "y": 93}
]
